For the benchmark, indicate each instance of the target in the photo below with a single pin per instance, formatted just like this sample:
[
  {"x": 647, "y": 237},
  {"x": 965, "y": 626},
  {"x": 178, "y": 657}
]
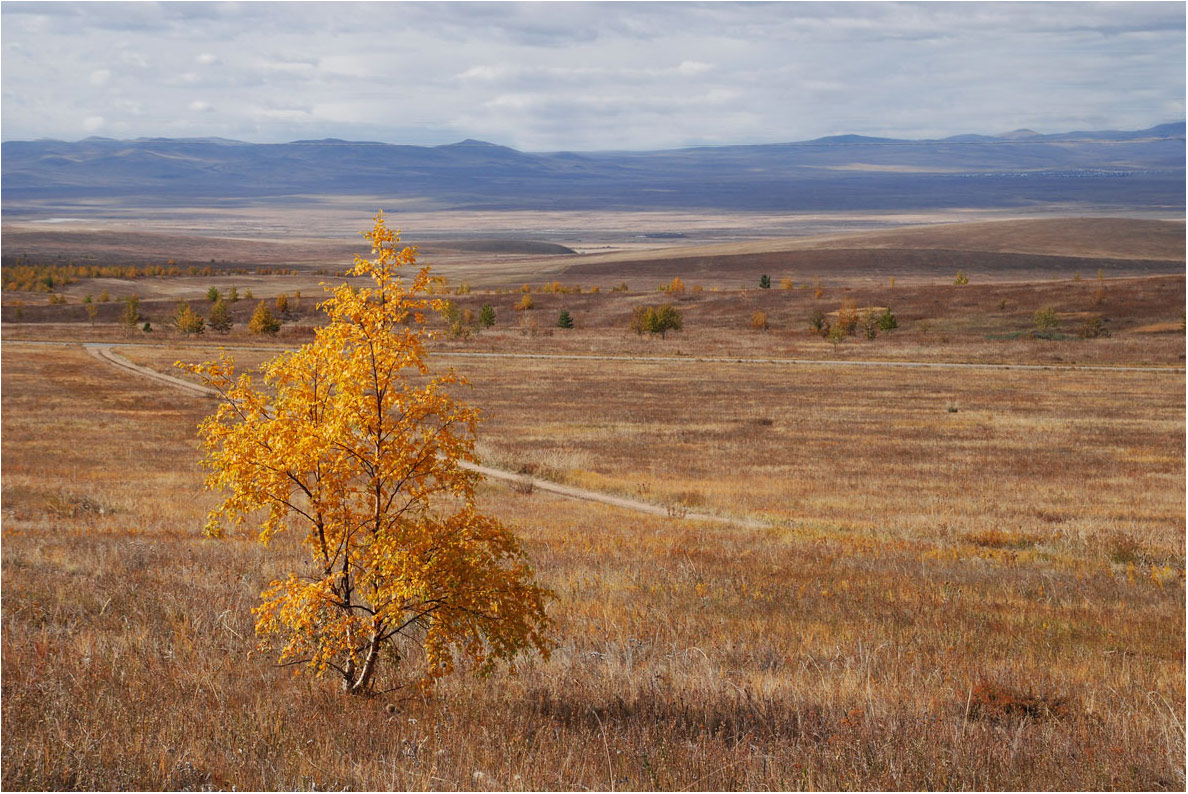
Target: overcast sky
[{"x": 586, "y": 76}]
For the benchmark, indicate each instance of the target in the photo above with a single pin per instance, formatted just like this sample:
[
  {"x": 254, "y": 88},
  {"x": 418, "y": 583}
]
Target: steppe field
[{"x": 951, "y": 556}]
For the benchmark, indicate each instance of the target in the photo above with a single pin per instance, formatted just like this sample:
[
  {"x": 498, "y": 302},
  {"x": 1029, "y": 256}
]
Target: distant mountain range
[{"x": 1139, "y": 170}]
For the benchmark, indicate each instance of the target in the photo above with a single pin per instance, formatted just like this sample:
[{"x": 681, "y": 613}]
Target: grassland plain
[{"x": 1002, "y": 608}]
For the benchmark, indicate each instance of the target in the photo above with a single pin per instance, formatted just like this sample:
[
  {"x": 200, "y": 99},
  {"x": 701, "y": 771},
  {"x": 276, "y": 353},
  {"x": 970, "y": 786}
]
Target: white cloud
[
  {"x": 93, "y": 123},
  {"x": 587, "y": 75}
]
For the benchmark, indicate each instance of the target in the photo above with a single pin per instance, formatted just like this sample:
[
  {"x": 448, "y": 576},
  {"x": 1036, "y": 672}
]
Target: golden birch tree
[{"x": 358, "y": 446}]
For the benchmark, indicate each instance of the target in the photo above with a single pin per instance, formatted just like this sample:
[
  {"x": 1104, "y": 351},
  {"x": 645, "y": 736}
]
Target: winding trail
[{"x": 106, "y": 354}]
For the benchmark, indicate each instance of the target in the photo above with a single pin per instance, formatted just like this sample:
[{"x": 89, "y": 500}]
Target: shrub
[
  {"x": 621, "y": 288},
  {"x": 187, "y": 320},
  {"x": 870, "y": 324},
  {"x": 961, "y": 279},
  {"x": 818, "y": 292},
  {"x": 759, "y": 321},
  {"x": 765, "y": 281},
  {"x": 147, "y": 327},
  {"x": 487, "y": 315},
  {"x": 262, "y": 322},
  {"x": 212, "y": 294},
  {"x": 233, "y": 295},
  {"x": 1093, "y": 328},
  {"x": 676, "y": 285},
  {"x": 220, "y": 317},
  {"x": 104, "y": 296},
  {"x": 565, "y": 320},
  {"x": 656, "y": 319},
  {"x": 131, "y": 314},
  {"x": 282, "y": 305},
  {"x": 847, "y": 317},
  {"x": 525, "y": 303},
  {"x": 1046, "y": 320},
  {"x": 887, "y": 321},
  {"x": 818, "y": 321},
  {"x": 787, "y": 283}
]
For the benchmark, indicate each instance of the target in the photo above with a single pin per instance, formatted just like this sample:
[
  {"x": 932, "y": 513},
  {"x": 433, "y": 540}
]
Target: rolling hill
[{"x": 1140, "y": 171}]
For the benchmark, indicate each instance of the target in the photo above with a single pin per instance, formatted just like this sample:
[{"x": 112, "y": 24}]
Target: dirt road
[{"x": 106, "y": 354}]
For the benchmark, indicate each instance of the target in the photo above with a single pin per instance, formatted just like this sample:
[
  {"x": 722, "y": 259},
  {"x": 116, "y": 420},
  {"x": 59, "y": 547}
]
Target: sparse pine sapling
[
  {"x": 565, "y": 319},
  {"x": 220, "y": 317},
  {"x": 870, "y": 324},
  {"x": 887, "y": 321},
  {"x": 212, "y": 294},
  {"x": 818, "y": 322},
  {"x": 765, "y": 281},
  {"x": 487, "y": 315}
]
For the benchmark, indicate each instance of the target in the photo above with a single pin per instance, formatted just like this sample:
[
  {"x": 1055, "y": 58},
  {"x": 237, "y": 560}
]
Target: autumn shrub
[
  {"x": 759, "y": 321},
  {"x": 847, "y": 317},
  {"x": 1045, "y": 320},
  {"x": 131, "y": 314},
  {"x": 819, "y": 322},
  {"x": 263, "y": 322},
  {"x": 525, "y": 303},
  {"x": 187, "y": 321},
  {"x": 282, "y": 305},
  {"x": 961, "y": 280},
  {"x": 656, "y": 319}
]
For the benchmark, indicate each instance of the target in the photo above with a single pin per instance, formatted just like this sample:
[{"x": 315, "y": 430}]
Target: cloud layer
[{"x": 586, "y": 76}]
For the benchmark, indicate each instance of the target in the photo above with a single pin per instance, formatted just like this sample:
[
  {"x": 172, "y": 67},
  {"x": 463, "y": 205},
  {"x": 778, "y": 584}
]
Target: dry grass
[{"x": 829, "y": 655}]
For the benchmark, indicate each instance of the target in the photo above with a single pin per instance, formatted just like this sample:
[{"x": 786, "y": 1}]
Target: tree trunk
[{"x": 362, "y": 683}]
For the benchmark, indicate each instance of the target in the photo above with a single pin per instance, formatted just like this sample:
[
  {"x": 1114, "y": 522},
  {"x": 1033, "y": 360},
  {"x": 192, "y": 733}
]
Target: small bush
[
  {"x": 759, "y": 321},
  {"x": 819, "y": 322},
  {"x": 212, "y": 294},
  {"x": 487, "y": 315},
  {"x": 1093, "y": 328},
  {"x": 1046, "y": 320},
  {"x": 887, "y": 321},
  {"x": 263, "y": 322},
  {"x": 525, "y": 303},
  {"x": 565, "y": 319},
  {"x": 765, "y": 281},
  {"x": 188, "y": 321},
  {"x": 220, "y": 317},
  {"x": 961, "y": 279}
]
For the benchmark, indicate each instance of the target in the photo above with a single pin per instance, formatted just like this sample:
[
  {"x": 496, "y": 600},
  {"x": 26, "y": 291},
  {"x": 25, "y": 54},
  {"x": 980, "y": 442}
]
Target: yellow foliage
[{"x": 356, "y": 443}]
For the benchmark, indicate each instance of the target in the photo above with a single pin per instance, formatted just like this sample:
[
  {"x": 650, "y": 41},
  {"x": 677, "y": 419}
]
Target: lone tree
[
  {"x": 765, "y": 281},
  {"x": 357, "y": 445},
  {"x": 487, "y": 316},
  {"x": 565, "y": 319}
]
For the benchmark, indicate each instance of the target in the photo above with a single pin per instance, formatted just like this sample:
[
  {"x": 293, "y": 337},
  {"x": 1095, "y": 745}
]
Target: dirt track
[{"x": 106, "y": 354}]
